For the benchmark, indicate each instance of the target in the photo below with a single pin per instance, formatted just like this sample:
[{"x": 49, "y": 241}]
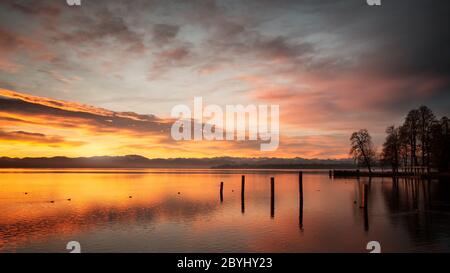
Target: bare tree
[
  {"x": 426, "y": 121},
  {"x": 440, "y": 144},
  {"x": 362, "y": 148},
  {"x": 391, "y": 148},
  {"x": 404, "y": 146},
  {"x": 411, "y": 126},
  {"x": 421, "y": 136}
]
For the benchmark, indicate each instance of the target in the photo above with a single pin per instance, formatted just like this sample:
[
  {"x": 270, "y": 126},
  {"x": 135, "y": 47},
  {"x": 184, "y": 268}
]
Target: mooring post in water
[
  {"x": 300, "y": 186},
  {"x": 243, "y": 194},
  {"x": 366, "y": 214},
  {"x": 330, "y": 173},
  {"x": 243, "y": 187},
  {"x": 272, "y": 197},
  {"x": 366, "y": 193},
  {"x": 221, "y": 191},
  {"x": 300, "y": 191}
]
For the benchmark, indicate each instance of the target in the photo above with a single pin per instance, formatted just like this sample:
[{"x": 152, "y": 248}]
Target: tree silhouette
[
  {"x": 426, "y": 121},
  {"x": 422, "y": 137},
  {"x": 411, "y": 126},
  {"x": 440, "y": 145},
  {"x": 362, "y": 148},
  {"x": 392, "y": 148},
  {"x": 404, "y": 146}
]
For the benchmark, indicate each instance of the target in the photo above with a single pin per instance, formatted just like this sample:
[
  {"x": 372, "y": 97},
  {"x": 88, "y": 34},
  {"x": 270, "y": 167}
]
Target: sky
[{"x": 102, "y": 78}]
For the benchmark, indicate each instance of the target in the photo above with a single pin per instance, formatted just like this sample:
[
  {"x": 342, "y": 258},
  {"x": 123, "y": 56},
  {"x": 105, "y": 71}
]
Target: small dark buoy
[
  {"x": 232, "y": 190},
  {"x": 130, "y": 196},
  {"x": 69, "y": 199},
  {"x": 52, "y": 201},
  {"x": 179, "y": 192},
  {"x": 26, "y": 193}
]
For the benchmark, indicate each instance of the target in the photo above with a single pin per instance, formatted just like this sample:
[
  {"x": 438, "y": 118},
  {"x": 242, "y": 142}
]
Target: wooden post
[
  {"x": 221, "y": 192},
  {"x": 330, "y": 174},
  {"x": 300, "y": 191},
  {"x": 243, "y": 187},
  {"x": 243, "y": 194},
  {"x": 272, "y": 197},
  {"x": 366, "y": 192},
  {"x": 300, "y": 186}
]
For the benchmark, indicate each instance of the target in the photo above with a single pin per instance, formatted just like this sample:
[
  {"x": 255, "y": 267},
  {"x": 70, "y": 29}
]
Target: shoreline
[{"x": 357, "y": 173}]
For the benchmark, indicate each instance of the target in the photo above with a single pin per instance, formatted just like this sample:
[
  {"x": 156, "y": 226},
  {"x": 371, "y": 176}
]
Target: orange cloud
[
  {"x": 35, "y": 126},
  {"x": 342, "y": 102},
  {"x": 22, "y": 137}
]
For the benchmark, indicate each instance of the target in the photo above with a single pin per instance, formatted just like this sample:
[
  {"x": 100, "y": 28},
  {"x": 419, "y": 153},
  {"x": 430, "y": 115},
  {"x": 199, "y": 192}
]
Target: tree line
[{"x": 420, "y": 144}]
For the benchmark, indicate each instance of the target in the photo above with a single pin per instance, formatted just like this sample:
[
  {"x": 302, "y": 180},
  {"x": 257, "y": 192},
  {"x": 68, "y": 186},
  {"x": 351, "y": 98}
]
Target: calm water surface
[{"x": 181, "y": 211}]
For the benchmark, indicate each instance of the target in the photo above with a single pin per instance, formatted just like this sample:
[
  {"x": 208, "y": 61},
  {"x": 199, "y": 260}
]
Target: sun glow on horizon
[{"x": 37, "y": 127}]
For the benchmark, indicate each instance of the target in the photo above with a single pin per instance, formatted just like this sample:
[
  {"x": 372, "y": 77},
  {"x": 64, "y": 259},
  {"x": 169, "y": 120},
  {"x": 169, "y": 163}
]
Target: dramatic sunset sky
[{"x": 102, "y": 78}]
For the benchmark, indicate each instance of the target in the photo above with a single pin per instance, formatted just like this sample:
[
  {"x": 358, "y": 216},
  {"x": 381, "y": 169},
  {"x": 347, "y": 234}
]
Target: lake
[{"x": 182, "y": 211}]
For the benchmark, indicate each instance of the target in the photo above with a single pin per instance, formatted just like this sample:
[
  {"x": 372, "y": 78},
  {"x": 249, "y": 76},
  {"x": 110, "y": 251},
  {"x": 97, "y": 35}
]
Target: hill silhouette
[{"x": 137, "y": 161}]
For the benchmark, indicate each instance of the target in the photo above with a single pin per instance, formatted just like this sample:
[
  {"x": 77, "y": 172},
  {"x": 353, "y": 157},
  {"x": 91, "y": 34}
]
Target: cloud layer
[{"x": 332, "y": 66}]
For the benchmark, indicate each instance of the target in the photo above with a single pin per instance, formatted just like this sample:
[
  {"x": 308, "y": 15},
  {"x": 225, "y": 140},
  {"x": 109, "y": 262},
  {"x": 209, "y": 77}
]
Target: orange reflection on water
[{"x": 181, "y": 211}]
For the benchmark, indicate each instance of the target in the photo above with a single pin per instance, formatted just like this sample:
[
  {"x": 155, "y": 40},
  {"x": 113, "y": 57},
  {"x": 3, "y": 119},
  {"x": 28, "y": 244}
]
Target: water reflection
[
  {"x": 422, "y": 206},
  {"x": 64, "y": 223},
  {"x": 366, "y": 191},
  {"x": 221, "y": 192},
  {"x": 272, "y": 197},
  {"x": 180, "y": 212},
  {"x": 415, "y": 194},
  {"x": 243, "y": 195},
  {"x": 300, "y": 198}
]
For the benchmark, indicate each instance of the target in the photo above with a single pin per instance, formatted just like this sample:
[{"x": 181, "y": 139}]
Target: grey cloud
[
  {"x": 105, "y": 25},
  {"x": 177, "y": 57},
  {"x": 164, "y": 33},
  {"x": 401, "y": 39},
  {"x": 35, "y": 7},
  {"x": 279, "y": 47},
  {"x": 70, "y": 119}
]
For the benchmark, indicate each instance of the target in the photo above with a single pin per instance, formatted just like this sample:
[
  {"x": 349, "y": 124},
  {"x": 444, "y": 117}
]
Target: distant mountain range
[{"x": 136, "y": 161}]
